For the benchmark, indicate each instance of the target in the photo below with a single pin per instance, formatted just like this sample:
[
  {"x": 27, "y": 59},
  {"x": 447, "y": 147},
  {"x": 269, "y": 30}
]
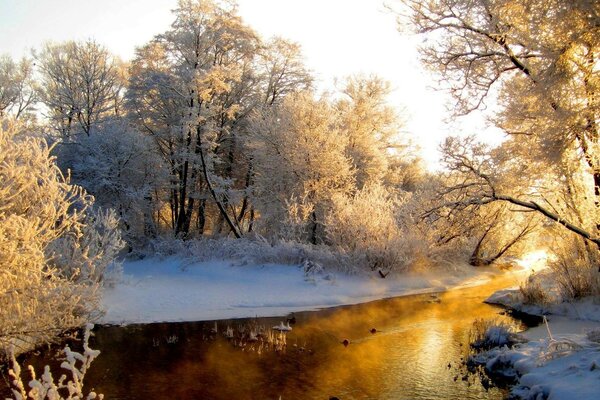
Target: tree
[
  {"x": 365, "y": 225},
  {"x": 81, "y": 85},
  {"x": 189, "y": 89},
  {"x": 282, "y": 70},
  {"x": 300, "y": 163},
  {"x": 120, "y": 166},
  {"x": 538, "y": 59},
  {"x": 370, "y": 125},
  {"x": 279, "y": 72},
  {"x": 18, "y": 89},
  {"x": 473, "y": 200}
]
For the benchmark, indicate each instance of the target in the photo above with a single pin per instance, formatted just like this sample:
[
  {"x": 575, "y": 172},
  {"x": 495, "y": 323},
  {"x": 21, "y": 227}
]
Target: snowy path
[{"x": 172, "y": 289}]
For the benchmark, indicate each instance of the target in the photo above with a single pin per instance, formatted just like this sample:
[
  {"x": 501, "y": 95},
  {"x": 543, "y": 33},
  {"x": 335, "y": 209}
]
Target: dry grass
[
  {"x": 489, "y": 333},
  {"x": 533, "y": 292}
]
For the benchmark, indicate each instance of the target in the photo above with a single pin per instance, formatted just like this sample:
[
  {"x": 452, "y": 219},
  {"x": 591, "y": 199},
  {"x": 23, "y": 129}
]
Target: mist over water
[{"x": 415, "y": 352}]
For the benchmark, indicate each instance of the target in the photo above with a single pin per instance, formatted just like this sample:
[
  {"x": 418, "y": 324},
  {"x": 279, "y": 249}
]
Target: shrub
[
  {"x": 533, "y": 292},
  {"x": 576, "y": 269},
  {"x": 39, "y": 208},
  {"x": 365, "y": 226},
  {"x": 44, "y": 387},
  {"x": 487, "y": 334},
  {"x": 87, "y": 255}
]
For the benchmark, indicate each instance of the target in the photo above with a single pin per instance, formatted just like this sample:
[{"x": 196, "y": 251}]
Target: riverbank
[
  {"x": 174, "y": 289},
  {"x": 559, "y": 360}
]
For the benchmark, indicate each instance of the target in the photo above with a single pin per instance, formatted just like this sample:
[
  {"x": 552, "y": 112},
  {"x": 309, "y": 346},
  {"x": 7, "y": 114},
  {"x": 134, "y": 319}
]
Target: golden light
[{"x": 535, "y": 261}]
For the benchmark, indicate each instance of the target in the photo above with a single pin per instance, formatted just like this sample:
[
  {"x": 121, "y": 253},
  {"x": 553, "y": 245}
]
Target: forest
[{"x": 213, "y": 137}]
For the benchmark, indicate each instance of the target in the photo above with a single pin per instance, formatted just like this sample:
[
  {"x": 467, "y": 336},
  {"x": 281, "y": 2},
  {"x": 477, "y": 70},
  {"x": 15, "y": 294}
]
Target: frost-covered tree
[
  {"x": 538, "y": 60},
  {"x": 479, "y": 203},
  {"x": 282, "y": 70},
  {"x": 39, "y": 295},
  {"x": 121, "y": 167},
  {"x": 371, "y": 126},
  {"x": 189, "y": 89},
  {"x": 365, "y": 225},
  {"x": 300, "y": 163},
  {"x": 18, "y": 89},
  {"x": 81, "y": 86}
]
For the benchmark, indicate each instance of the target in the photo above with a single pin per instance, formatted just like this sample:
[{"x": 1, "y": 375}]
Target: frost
[{"x": 45, "y": 387}]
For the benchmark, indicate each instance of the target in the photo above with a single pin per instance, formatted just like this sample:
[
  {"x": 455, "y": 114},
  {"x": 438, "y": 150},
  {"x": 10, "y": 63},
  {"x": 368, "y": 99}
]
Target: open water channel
[{"x": 402, "y": 348}]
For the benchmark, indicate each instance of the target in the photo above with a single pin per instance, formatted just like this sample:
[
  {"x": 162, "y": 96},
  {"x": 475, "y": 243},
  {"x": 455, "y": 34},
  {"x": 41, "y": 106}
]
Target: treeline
[{"x": 211, "y": 131}]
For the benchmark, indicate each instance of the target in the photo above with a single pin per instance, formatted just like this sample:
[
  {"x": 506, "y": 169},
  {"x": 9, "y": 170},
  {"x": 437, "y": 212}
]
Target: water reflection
[{"x": 404, "y": 348}]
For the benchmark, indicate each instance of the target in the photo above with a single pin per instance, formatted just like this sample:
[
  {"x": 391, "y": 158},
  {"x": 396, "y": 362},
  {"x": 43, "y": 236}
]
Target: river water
[{"x": 415, "y": 352}]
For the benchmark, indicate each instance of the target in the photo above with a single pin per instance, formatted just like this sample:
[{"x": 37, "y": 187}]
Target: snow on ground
[
  {"x": 564, "y": 367},
  {"x": 584, "y": 309},
  {"x": 561, "y": 360},
  {"x": 175, "y": 289}
]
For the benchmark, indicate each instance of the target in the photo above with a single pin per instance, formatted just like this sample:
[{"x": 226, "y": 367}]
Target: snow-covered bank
[
  {"x": 175, "y": 289},
  {"x": 562, "y": 368},
  {"x": 560, "y": 359},
  {"x": 584, "y": 309}
]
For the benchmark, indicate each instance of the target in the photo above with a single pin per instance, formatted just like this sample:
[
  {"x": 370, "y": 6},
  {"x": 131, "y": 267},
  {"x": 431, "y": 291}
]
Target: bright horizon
[{"x": 338, "y": 38}]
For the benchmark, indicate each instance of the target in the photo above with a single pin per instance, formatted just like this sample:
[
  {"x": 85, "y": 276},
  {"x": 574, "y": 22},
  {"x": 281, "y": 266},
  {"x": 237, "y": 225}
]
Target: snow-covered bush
[
  {"x": 255, "y": 250},
  {"x": 365, "y": 226},
  {"x": 38, "y": 206},
  {"x": 44, "y": 387},
  {"x": 89, "y": 256},
  {"x": 593, "y": 335}
]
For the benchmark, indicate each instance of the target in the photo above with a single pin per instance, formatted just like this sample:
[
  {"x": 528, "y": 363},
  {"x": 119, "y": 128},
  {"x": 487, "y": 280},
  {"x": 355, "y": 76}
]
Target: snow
[
  {"x": 175, "y": 289},
  {"x": 561, "y": 364},
  {"x": 566, "y": 367},
  {"x": 561, "y": 358},
  {"x": 584, "y": 309}
]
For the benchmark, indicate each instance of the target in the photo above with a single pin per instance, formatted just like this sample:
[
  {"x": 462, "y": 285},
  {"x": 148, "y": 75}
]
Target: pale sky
[{"x": 338, "y": 37}]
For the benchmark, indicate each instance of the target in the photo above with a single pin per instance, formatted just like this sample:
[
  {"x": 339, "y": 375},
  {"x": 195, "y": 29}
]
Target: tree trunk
[
  {"x": 201, "y": 218},
  {"x": 245, "y": 202},
  {"x": 149, "y": 227},
  {"x": 476, "y": 260},
  {"x": 180, "y": 223},
  {"x": 222, "y": 209},
  {"x": 313, "y": 230},
  {"x": 251, "y": 221}
]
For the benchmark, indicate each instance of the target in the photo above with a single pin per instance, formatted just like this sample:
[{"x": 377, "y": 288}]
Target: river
[{"x": 408, "y": 347}]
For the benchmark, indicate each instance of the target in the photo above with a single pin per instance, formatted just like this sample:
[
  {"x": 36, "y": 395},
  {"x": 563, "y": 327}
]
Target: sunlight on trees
[
  {"x": 81, "y": 85},
  {"x": 299, "y": 163},
  {"x": 536, "y": 59},
  {"x": 18, "y": 88},
  {"x": 41, "y": 296}
]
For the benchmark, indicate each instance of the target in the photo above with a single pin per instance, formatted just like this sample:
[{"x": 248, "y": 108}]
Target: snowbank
[
  {"x": 561, "y": 358},
  {"x": 563, "y": 368},
  {"x": 584, "y": 309},
  {"x": 175, "y": 289}
]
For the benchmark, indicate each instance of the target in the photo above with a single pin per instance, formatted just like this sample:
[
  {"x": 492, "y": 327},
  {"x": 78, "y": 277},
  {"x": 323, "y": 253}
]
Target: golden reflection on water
[{"x": 415, "y": 353}]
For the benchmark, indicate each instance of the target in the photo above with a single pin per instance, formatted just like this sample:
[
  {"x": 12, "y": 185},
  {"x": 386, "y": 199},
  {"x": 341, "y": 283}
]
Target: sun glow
[{"x": 535, "y": 260}]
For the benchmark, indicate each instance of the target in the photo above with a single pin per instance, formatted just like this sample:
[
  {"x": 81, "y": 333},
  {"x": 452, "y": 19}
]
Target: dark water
[{"x": 415, "y": 353}]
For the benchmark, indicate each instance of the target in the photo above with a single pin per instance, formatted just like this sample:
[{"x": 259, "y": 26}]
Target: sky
[{"x": 338, "y": 38}]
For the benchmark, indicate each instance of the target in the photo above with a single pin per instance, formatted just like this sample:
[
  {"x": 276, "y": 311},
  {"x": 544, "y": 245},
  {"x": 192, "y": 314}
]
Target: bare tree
[
  {"x": 18, "y": 89},
  {"x": 536, "y": 59},
  {"x": 81, "y": 85}
]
